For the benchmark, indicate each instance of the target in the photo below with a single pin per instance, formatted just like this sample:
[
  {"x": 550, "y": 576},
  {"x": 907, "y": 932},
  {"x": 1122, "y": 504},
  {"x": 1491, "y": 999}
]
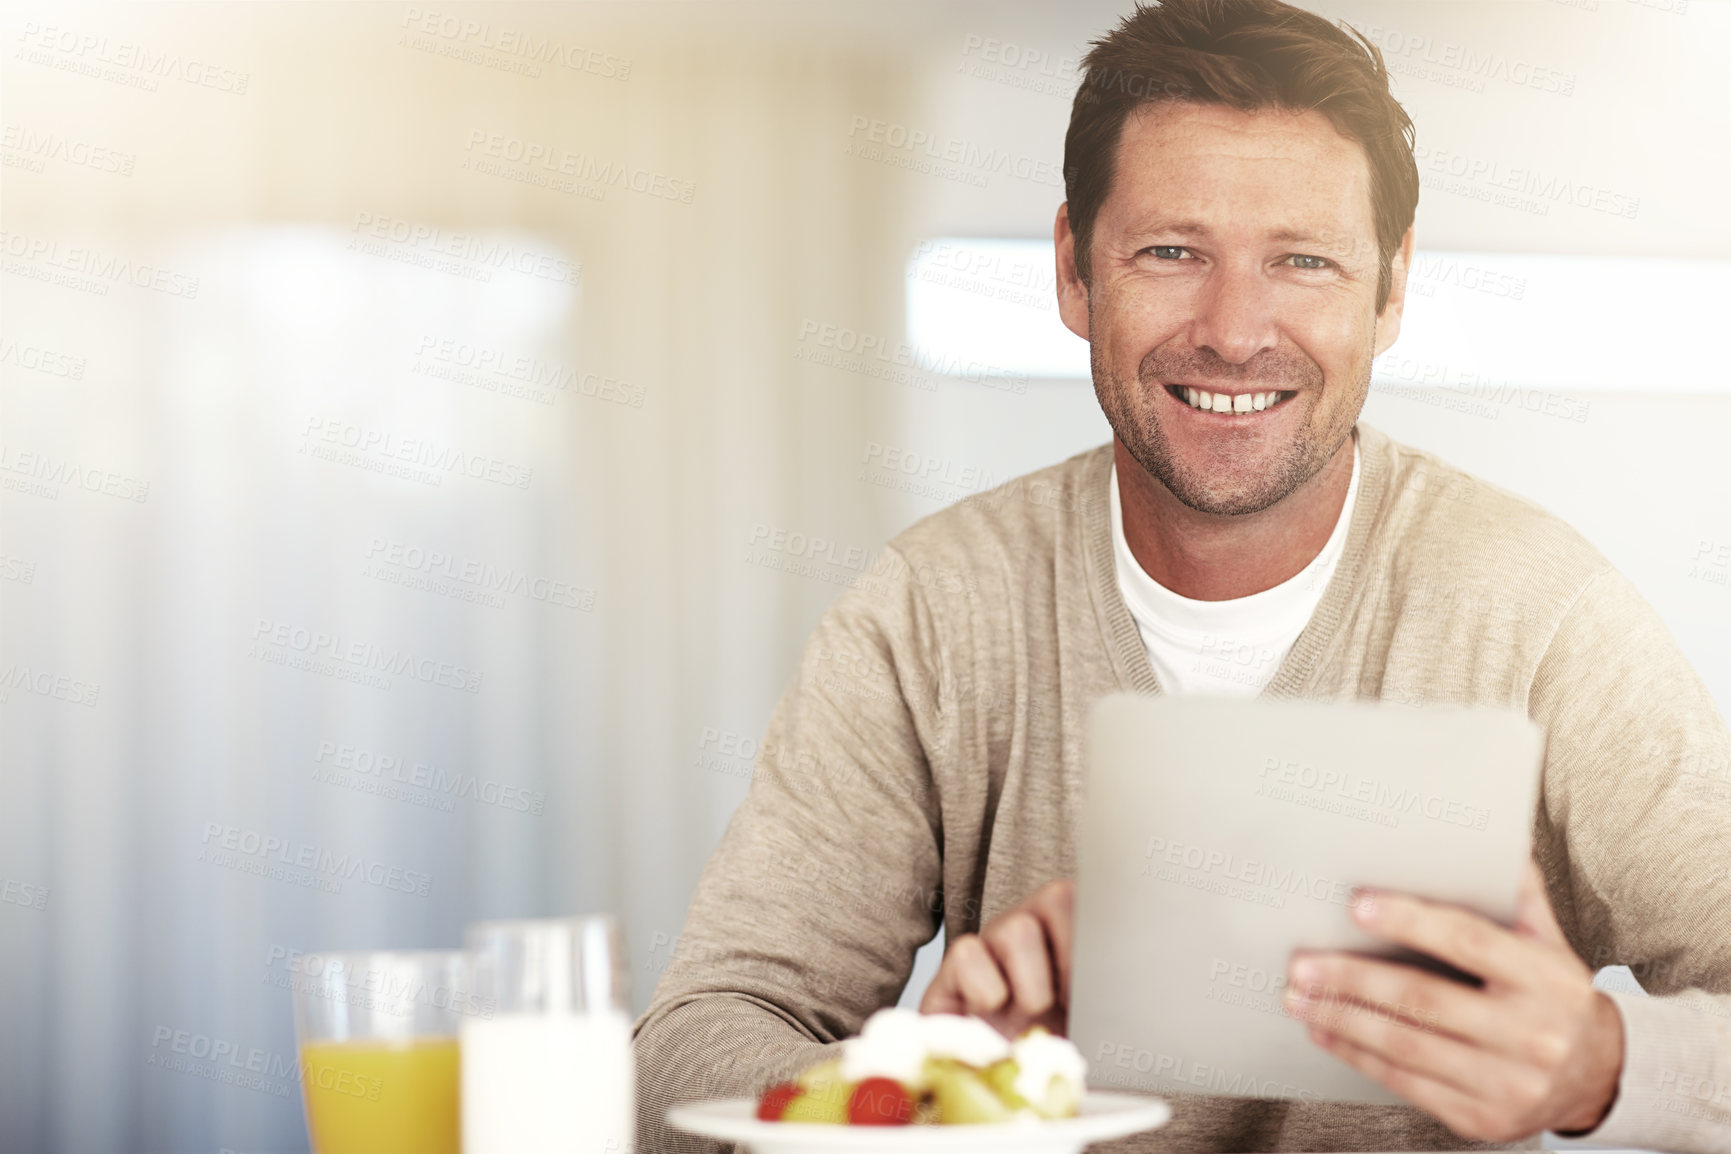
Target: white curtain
[{"x": 432, "y": 604}]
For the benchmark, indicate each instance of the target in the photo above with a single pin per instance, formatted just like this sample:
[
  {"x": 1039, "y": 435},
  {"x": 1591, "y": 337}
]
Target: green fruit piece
[
  {"x": 826, "y": 1102},
  {"x": 820, "y": 1074},
  {"x": 1001, "y": 1077},
  {"x": 962, "y": 1096}
]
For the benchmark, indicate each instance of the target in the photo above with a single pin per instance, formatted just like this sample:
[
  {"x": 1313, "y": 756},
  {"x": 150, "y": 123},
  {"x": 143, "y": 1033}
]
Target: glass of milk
[{"x": 549, "y": 1072}]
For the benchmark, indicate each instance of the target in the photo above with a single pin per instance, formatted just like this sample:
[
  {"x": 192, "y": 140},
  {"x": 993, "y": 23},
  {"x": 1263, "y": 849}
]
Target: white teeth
[{"x": 1222, "y": 403}]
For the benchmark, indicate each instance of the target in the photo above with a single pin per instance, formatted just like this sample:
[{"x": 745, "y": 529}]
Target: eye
[
  {"x": 1310, "y": 262},
  {"x": 1167, "y": 251}
]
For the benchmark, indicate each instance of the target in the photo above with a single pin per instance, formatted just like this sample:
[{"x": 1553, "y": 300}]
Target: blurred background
[{"x": 430, "y": 433}]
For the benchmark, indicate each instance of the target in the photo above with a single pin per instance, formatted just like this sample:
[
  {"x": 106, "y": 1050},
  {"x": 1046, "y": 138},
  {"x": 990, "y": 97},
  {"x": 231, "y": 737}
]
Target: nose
[{"x": 1234, "y": 314}]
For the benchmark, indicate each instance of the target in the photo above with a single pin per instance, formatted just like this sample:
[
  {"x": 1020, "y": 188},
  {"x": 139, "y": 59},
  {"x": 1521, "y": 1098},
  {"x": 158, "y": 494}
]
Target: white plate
[{"x": 1103, "y": 1116}]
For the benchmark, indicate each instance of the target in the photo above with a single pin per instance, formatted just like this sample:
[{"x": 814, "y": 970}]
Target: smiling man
[{"x": 1234, "y": 246}]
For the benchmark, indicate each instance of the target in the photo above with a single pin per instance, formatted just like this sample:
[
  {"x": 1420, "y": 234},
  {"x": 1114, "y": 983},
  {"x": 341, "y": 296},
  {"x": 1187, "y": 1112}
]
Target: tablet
[{"x": 1217, "y": 835}]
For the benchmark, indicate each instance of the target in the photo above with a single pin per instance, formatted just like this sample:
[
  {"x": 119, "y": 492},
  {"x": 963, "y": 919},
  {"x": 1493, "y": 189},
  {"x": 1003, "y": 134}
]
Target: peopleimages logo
[
  {"x": 925, "y": 151},
  {"x": 467, "y": 254},
  {"x": 224, "y": 1060},
  {"x": 46, "y": 683},
  {"x": 19, "y": 893},
  {"x": 370, "y": 771},
  {"x": 41, "y": 360},
  {"x": 78, "y": 262},
  {"x": 507, "y": 41},
  {"x": 871, "y": 570},
  {"x": 1368, "y": 791},
  {"x": 1171, "y": 1068},
  {"x": 35, "y": 147},
  {"x": 135, "y": 65},
  {"x": 552, "y": 160},
  {"x": 381, "y": 450},
  {"x": 1268, "y": 883},
  {"x": 482, "y": 577},
  {"x": 251, "y": 851},
  {"x": 518, "y": 375},
  {"x": 381, "y": 989},
  {"x": 42, "y": 475},
  {"x": 279, "y": 642}
]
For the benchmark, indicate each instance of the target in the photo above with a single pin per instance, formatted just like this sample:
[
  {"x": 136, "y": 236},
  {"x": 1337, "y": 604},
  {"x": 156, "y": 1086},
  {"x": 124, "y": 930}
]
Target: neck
[{"x": 1213, "y": 557}]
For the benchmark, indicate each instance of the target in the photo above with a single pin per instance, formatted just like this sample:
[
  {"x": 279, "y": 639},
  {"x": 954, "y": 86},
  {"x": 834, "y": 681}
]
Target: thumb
[
  {"x": 1533, "y": 915},
  {"x": 942, "y": 996}
]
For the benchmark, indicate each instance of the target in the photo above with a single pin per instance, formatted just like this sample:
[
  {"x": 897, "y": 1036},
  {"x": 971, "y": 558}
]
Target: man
[{"x": 1234, "y": 246}]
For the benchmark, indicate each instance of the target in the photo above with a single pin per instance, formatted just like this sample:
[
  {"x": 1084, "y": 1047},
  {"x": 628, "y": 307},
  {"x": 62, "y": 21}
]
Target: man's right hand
[{"x": 1015, "y": 973}]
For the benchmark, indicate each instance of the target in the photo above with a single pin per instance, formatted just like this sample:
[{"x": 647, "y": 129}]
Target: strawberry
[
  {"x": 775, "y": 1101},
  {"x": 880, "y": 1102}
]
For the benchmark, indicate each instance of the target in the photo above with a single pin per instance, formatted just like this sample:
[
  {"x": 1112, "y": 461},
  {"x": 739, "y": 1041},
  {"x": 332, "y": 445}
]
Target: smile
[{"x": 1226, "y": 402}]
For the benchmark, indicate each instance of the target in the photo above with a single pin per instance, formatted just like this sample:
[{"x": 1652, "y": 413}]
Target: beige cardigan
[{"x": 923, "y": 766}]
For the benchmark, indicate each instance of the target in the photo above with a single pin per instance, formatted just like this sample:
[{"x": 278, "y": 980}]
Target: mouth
[{"x": 1230, "y": 404}]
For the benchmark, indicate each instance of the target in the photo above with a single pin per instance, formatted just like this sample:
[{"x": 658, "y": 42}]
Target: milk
[{"x": 548, "y": 1084}]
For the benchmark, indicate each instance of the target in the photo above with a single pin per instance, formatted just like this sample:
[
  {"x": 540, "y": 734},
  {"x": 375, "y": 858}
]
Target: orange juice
[{"x": 377, "y": 1097}]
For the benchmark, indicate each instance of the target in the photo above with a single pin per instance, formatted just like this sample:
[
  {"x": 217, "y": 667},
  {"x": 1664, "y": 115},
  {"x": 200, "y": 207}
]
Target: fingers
[
  {"x": 1466, "y": 940},
  {"x": 1467, "y": 1114},
  {"x": 1528, "y": 1049},
  {"x": 1397, "y": 1040},
  {"x": 1016, "y": 970},
  {"x": 1018, "y": 943},
  {"x": 1033, "y": 942},
  {"x": 1056, "y": 902},
  {"x": 968, "y": 981},
  {"x": 1355, "y": 985}
]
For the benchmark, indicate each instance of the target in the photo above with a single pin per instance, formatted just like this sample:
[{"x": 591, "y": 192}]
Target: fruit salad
[{"x": 908, "y": 1068}]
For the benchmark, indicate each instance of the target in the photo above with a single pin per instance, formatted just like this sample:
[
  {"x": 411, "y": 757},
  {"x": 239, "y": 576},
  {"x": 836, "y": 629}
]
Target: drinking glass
[
  {"x": 549, "y": 1072},
  {"x": 378, "y": 1041}
]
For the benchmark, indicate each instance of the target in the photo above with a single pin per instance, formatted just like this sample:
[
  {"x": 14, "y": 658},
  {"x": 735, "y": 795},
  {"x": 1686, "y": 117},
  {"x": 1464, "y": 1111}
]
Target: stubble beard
[{"x": 1213, "y": 486}]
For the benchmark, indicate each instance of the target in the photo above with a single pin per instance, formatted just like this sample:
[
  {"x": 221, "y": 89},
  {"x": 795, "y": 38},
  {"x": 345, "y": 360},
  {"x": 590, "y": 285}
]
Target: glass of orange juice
[{"x": 378, "y": 1049}]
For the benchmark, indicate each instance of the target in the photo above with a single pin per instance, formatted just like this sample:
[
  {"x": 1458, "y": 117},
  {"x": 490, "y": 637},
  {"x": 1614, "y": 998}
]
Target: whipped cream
[
  {"x": 895, "y": 1043},
  {"x": 1040, "y": 1057}
]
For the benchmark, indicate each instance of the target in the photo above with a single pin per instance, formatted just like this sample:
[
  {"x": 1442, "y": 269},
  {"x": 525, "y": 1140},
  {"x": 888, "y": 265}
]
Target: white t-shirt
[{"x": 1223, "y": 647}]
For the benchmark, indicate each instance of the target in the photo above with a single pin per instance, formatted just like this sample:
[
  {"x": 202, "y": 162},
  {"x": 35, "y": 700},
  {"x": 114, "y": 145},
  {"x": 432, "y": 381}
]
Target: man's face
[{"x": 1235, "y": 257}]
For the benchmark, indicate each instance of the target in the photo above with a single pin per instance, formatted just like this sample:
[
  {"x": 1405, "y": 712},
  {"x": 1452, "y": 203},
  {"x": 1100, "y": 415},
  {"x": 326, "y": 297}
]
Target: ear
[
  {"x": 1072, "y": 293},
  {"x": 1388, "y": 322}
]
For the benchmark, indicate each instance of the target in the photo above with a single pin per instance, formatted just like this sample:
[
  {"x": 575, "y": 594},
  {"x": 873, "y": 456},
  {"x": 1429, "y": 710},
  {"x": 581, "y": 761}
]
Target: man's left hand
[{"x": 1536, "y": 1048}]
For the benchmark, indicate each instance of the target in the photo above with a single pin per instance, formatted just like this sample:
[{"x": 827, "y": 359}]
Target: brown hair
[{"x": 1249, "y": 55}]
